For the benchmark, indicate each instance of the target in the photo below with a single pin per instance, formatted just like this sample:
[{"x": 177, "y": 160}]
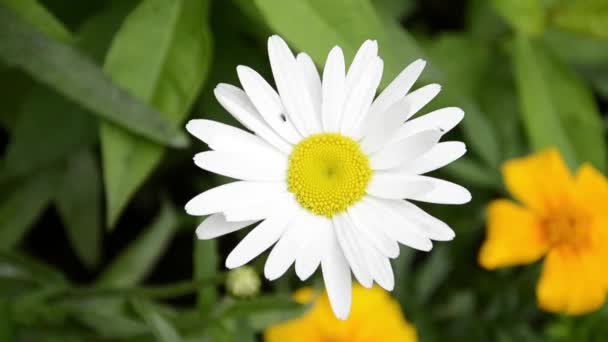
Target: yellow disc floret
[{"x": 327, "y": 173}]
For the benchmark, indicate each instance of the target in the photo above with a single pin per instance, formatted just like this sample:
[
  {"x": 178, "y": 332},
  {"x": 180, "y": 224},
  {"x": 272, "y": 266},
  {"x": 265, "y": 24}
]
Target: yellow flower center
[
  {"x": 327, "y": 173},
  {"x": 565, "y": 228}
]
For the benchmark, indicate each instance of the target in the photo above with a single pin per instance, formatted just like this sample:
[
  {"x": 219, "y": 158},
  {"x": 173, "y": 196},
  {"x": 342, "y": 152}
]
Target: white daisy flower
[{"x": 328, "y": 170}]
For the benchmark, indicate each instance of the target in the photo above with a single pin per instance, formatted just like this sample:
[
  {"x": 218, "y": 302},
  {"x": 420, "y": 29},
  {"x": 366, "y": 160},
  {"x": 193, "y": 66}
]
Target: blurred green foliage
[{"x": 94, "y": 97}]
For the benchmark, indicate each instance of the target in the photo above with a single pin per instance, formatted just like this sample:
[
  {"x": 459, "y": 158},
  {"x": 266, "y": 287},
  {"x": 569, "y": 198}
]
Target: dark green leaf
[
  {"x": 262, "y": 311},
  {"x": 78, "y": 201},
  {"x": 49, "y": 129},
  {"x": 134, "y": 263},
  {"x": 161, "y": 54},
  {"x": 21, "y": 206},
  {"x": 162, "y": 329},
  {"x": 76, "y": 77}
]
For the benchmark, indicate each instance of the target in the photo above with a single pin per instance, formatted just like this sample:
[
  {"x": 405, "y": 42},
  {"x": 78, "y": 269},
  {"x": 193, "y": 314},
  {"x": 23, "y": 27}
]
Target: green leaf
[
  {"x": 21, "y": 205},
  {"x": 586, "y": 55},
  {"x": 206, "y": 264},
  {"x": 162, "y": 329},
  {"x": 559, "y": 109},
  {"x": 48, "y": 129},
  {"x": 588, "y": 17},
  {"x": 432, "y": 274},
  {"x": 66, "y": 70},
  {"x": 526, "y": 16},
  {"x": 469, "y": 171},
  {"x": 78, "y": 201},
  {"x": 21, "y": 266},
  {"x": 40, "y": 18},
  {"x": 161, "y": 54},
  {"x": 134, "y": 263}
]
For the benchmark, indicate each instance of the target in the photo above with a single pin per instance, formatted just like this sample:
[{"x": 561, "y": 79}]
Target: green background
[{"x": 95, "y": 166}]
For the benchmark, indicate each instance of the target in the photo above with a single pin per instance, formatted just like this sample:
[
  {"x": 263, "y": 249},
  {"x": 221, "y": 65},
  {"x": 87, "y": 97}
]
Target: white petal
[
  {"x": 396, "y": 227},
  {"x": 233, "y": 195},
  {"x": 364, "y": 56},
  {"x": 336, "y": 275},
  {"x": 359, "y": 99},
  {"x": 292, "y": 87},
  {"x": 257, "y": 211},
  {"x": 422, "y": 96},
  {"x": 443, "y": 119},
  {"x": 236, "y": 102},
  {"x": 429, "y": 225},
  {"x": 284, "y": 253},
  {"x": 379, "y": 266},
  {"x": 397, "y": 185},
  {"x": 261, "y": 237},
  {"x": 368, "y": 226},
  {"x": 408, "y": 149},
  {"x": 309, "y": 256},
  {"x": 221, "y": 137},
  {"x": 443, "y": 192},
  {"x": 397, "y": 89},
  {"x": 383, "y": 126},
  {"x": 333, "y": 90},
  {"x": 268, "y": 103},
  {"x": 312, "y": 80},
  {"x": 240, "y": 165},
  {"x": 216, "y": 225},
  {"x": 437, "y": 157},
  {"x": 345, "y": 232}
]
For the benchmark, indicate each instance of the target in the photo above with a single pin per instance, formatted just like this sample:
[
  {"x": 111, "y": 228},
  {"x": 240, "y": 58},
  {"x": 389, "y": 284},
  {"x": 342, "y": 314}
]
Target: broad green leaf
[
  {"x": 588, "y": 17},
  {"x": 21, "y": 205},
  {"x": 559, "y": 109},
  {"x": 48, "y": 129},
  {"x": 315, "y": 26},
  {"x": 162, "y": 329},
  {"x": 134, "y": 263},
  {"x": 160, "y": 54},
  {"x": 78, "y": 201},
  {"x": 40, "y": 18},
  {"x": 6, "y": 323},
  {"x": 66, "y": 70},
  {"x": 206, "y": 267},
  {"x": 526, "y": 16},
  {"x": 395, "y": 9}
]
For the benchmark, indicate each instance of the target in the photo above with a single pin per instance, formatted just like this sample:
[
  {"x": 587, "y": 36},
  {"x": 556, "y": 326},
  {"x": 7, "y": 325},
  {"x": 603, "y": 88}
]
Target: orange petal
[
  {"x": 540, "y": 181},
  {"x": 514, "y": 236},
  {"x": 592, "y": 190},
  {"x": 572, "y": 282}
]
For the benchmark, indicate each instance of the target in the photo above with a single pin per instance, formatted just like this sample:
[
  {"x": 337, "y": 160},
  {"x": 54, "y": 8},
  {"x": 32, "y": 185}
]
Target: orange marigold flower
[
  {"x": 561, "y": 217},
  {"x": 375, "y": 316}
]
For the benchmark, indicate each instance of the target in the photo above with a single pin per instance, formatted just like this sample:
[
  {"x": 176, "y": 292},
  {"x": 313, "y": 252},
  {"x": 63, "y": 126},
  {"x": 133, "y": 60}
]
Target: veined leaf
[
  {"x": 66, "y": 70},
  {"x": 39, "y": 17},
  {"x": 162, "y": 329},
  {"x": 558, "y": 108},
  {"x": 134, "y": 263},
  {"x": 588, "y": 17},
  {"x": 78, "y": 201},
  {"x": 161, "y": 54}
]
